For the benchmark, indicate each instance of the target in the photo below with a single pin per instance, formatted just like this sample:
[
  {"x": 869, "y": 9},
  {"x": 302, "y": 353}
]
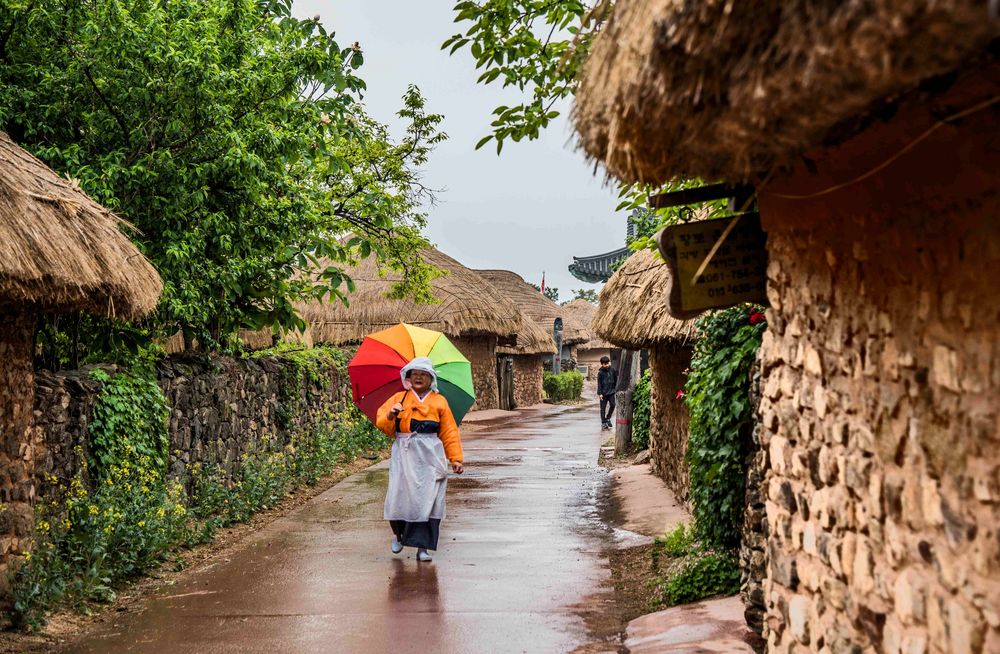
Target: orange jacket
[{"x": 433, "y": 409}]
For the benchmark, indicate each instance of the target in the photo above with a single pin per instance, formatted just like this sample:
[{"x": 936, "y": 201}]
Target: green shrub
[
  {"x": 717, "y": 393},
  {"x": 642, "y": 412},
  {"x": 698, "y": 576},
  {"x": 564, "y": 386},
  {"x": 690, "y": 572},
  {"x": 679, "y": 542}
]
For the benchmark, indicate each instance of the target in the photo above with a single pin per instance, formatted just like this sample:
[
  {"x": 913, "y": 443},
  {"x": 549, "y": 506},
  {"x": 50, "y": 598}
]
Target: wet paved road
[{"x": 519, "y": 549}]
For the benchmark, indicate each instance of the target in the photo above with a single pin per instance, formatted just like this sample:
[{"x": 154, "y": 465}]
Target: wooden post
[
  {"x": 628, "y": 377},
  {"x": 623, "y": 421}
]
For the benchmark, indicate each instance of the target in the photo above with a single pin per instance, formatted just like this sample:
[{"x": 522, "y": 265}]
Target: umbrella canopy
[{"x": 375, "y": 368}]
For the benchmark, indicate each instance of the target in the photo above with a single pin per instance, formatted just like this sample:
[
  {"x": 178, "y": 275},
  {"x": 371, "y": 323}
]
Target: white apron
[{"x": 418, "y": 478}]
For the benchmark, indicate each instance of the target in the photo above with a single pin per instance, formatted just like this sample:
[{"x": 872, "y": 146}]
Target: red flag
[{"x": 543, "y": 282}]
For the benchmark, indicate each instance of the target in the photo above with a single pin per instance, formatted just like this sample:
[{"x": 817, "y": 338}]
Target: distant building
[{"x": 598, "y": 268}]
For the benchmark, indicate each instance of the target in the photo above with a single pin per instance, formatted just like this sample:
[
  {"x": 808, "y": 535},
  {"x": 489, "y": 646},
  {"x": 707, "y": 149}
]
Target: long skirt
[
  {"x": 417, "y": 534},
  {"x": 418, "y": 480}
]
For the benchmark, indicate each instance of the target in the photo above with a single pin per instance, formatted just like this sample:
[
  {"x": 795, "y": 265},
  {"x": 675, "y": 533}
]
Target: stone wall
[
  {"x": 17, "y": 447},
  {"x": 668, "y": 430},
  {"x": 753, "y": 533},
  {"x": 527, "y": 380},
  {"x": 880, "y": 410},
  {"x": 481, "y": 351},
  {"x": 220, "y": 409}
]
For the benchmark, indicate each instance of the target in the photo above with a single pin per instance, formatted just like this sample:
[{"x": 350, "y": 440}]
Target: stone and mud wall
[
  {"x": 881, "y": 379},
  {"x": 17, "y": 447},
  {"x": 220, "y": 409},
  {"x": 668, "y": 429},
  {"x": 481, "y": 351},
  {"x": 527, "y": 380},
  {"x": 753, "y": 531},
  {"x": 592, "y": 359}
]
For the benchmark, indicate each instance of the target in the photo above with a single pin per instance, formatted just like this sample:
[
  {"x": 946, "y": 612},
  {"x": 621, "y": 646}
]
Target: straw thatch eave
[
  {"x": 632, "y": 312},
  {"x": 468, "y": 306},
  {"x": 531, "y": 339},
  {"x": 584, "y": 313},
  {"x": 731, "y": 91},
  {"x": 60, "y": 250},
  {"x": 536, "y": 306}
]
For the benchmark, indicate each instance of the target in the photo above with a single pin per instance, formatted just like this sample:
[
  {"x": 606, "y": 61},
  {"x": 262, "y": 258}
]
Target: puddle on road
[{"x": 376, "y": 479}]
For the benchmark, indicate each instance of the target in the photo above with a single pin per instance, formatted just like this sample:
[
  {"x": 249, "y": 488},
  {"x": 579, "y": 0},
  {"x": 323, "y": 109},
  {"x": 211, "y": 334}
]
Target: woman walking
[{"x": 426, "y": 442}]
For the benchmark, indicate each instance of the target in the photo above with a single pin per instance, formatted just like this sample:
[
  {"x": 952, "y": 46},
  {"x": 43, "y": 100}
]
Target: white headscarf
[{"x": 423, "y": 364}]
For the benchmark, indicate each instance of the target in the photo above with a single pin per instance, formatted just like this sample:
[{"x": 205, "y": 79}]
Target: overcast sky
[{"x": 532, "y": 208}]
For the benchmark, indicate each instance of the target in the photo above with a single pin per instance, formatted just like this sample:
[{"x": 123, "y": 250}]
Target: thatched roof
[
  {"x": 726, "y": 90},
  {"x": 263, "y": 339},
  {"x": 62, "y": 251},
  {"x": 536, "y": 306},
  {"x": 584, "y": 313},
  {"x": 259, "y": 339},
  {"x": 633, "y": 313},
  {"x": 468, "y": 305},
  {"x": 531, "y": 339}
]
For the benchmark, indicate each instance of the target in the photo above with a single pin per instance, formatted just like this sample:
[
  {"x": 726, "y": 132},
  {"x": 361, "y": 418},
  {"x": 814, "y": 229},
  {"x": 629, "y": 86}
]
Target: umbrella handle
[{"x": 401, "y": 401}]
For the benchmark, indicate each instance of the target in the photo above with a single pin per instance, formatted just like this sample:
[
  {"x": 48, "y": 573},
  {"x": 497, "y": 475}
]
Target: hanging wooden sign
[{"x": 733, "y": 272}]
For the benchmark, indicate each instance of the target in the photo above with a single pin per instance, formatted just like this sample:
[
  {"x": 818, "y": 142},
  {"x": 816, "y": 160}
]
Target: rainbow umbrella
[{"x": 374, "y": 370}]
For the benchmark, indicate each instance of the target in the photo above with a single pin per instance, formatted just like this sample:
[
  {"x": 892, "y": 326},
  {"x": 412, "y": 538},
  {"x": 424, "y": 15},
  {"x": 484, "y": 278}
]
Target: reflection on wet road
[{"x": 519, "y": 548}]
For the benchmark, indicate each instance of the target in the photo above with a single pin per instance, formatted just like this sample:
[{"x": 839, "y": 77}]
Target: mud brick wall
[
  {"x": 17, "y": 447},
  {"x": 668, "y": 429},
  {"x": 527, "y": 380},
  {"x": 481, "y": 351},
  {"x": 220, "y": 408},
  {"x": 881, "y": 391}
]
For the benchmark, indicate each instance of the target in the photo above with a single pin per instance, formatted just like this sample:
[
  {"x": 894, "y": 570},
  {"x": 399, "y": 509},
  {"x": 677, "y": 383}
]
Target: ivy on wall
[
  {"x": 303, "y": 368},
  {"x": 717, "y": 393},
  {"x": 642, "y": 408},
  {"x": 130, "y": 419}
]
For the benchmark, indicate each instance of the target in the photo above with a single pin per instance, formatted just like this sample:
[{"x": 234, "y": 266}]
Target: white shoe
[
  {"x": 423, "y": 555},
  {"x": 397, "y": 547}
]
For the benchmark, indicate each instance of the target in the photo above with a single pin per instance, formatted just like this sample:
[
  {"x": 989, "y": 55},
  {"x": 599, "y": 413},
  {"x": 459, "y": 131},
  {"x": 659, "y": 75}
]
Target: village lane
[{"x": 519, "y": 565}]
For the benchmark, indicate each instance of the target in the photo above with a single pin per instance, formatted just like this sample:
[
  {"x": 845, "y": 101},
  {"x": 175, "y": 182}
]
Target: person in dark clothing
[{"x": 607, "y": 384}]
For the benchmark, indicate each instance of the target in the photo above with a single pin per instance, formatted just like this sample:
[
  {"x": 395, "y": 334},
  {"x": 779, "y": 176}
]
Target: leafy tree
[
  {"x": 229, "y": 134},
  {"x": 551, "y": 292},
  {"x": 588, "y": 294},
  {"x": 540, "y": 47}
]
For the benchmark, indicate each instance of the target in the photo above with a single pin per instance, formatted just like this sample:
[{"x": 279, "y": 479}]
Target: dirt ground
[{"x": 632, "y": 575}]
